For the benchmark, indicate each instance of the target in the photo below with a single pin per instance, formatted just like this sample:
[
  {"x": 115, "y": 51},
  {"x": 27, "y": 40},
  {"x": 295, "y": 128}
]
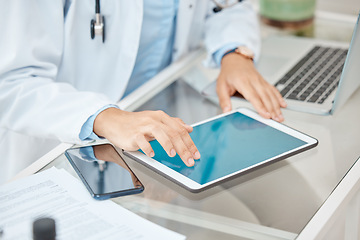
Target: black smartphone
[{"x": 103, "y": 171}]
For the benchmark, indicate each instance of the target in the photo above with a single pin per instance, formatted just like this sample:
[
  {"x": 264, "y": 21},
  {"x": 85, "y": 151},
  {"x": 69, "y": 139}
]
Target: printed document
[{"x": 55, "y": 193}]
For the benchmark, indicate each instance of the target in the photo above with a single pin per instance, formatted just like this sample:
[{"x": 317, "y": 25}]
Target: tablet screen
[{"x": 229, "y": 144}]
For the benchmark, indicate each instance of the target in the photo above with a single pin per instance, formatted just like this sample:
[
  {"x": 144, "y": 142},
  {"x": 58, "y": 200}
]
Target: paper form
[{"x": 55, "y": 193}]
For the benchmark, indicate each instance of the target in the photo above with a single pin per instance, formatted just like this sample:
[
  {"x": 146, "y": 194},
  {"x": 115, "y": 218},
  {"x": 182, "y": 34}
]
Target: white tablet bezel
[{"x": 196, "y": 187}]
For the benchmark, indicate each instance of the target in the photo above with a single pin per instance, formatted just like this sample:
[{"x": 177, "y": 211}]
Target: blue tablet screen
[{"x": 228, "y": 145}]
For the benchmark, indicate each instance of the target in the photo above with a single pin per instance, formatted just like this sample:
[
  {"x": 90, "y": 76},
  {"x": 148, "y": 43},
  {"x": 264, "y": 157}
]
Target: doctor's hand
[
  {"x": 133, "y": 130},
  {"x": 238, "y": 74}
]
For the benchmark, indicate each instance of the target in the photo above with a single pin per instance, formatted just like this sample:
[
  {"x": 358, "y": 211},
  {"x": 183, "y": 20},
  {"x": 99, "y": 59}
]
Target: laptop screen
[{"x": 350, "y": 77}]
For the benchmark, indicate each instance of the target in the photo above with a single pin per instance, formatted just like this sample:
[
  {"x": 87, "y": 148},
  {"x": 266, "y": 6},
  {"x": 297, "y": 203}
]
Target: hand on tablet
[
  {"x": 238, "y": 74},
  {"x": 133, "y": 130}
]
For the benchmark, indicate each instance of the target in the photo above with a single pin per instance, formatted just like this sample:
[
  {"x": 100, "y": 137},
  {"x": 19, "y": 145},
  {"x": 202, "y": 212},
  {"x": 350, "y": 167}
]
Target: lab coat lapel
[{"x": 183, "y": 22}]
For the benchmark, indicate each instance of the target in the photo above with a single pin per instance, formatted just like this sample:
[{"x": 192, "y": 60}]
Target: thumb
[{"x": 224, "y": 96}]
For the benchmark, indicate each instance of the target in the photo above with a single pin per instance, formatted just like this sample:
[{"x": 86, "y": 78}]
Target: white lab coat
[{"x": 53, "y": 76}]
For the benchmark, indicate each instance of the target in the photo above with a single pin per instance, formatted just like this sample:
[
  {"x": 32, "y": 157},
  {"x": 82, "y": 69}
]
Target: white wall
[{"x": 340, "y": 6}]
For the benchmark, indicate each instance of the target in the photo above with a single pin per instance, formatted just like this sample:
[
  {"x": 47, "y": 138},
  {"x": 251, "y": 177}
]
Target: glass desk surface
[{"x": 273, "y": 202}]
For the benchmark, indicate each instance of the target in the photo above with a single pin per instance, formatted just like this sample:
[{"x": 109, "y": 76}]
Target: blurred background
[
  {"x": 336, "y": 6},
  {"x": 343, "y": 6}
]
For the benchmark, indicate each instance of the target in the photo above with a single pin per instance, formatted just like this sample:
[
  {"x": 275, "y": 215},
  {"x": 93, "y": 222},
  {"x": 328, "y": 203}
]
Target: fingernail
[
  {"x": 284, "y": 103},
  {"x": 267, "y": 114},
  {"x": 191, "y": 161},
  {"x": 190, "y": 128},
  {"x": 152, "y": 154},
  {"x": 172, "y": 152},
  {"x": 281, "y": 117},
  {"x": 197, "y": 155}
]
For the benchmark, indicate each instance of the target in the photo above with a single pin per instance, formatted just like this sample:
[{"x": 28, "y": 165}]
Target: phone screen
[{"x": 103, "y": 171}]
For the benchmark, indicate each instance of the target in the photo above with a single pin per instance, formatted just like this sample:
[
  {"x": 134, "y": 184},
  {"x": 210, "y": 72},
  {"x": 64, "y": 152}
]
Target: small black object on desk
[{"x": 44, "y": 229}]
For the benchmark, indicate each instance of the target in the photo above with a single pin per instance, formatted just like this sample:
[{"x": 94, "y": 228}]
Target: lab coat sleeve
[
  {"x": 31, "y": 101},
  {"x": 236, "y": 25}
]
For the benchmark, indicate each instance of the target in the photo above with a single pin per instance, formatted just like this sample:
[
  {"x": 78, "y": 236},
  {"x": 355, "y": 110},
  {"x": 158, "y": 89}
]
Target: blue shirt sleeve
[{"x": 87, "y": 132}]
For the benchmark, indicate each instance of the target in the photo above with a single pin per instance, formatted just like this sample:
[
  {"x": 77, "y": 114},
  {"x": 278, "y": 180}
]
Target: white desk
[{"x": 273, "y": 202}]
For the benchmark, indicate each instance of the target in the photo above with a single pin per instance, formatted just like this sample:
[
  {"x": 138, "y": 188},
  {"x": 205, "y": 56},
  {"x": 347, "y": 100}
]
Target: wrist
[
  {"x": 103, "y": 119},
  {"x": 235, "y": 59},
  {"x": 241, "y": 51}
]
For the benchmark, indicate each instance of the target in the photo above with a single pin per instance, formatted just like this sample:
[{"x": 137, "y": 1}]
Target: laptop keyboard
[{"x": 315, "y": 76}]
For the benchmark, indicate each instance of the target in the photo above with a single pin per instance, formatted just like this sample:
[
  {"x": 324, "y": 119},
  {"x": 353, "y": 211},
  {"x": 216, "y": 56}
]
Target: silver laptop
[{"x": 312, "y": 75}]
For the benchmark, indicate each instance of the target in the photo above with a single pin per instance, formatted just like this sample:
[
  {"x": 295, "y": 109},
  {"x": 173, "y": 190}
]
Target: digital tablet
[{"x": 230, "y": 144}]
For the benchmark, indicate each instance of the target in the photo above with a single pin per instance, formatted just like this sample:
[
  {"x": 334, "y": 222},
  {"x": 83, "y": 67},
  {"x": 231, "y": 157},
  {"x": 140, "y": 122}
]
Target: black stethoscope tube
[{"x": 97, "y": 6}]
